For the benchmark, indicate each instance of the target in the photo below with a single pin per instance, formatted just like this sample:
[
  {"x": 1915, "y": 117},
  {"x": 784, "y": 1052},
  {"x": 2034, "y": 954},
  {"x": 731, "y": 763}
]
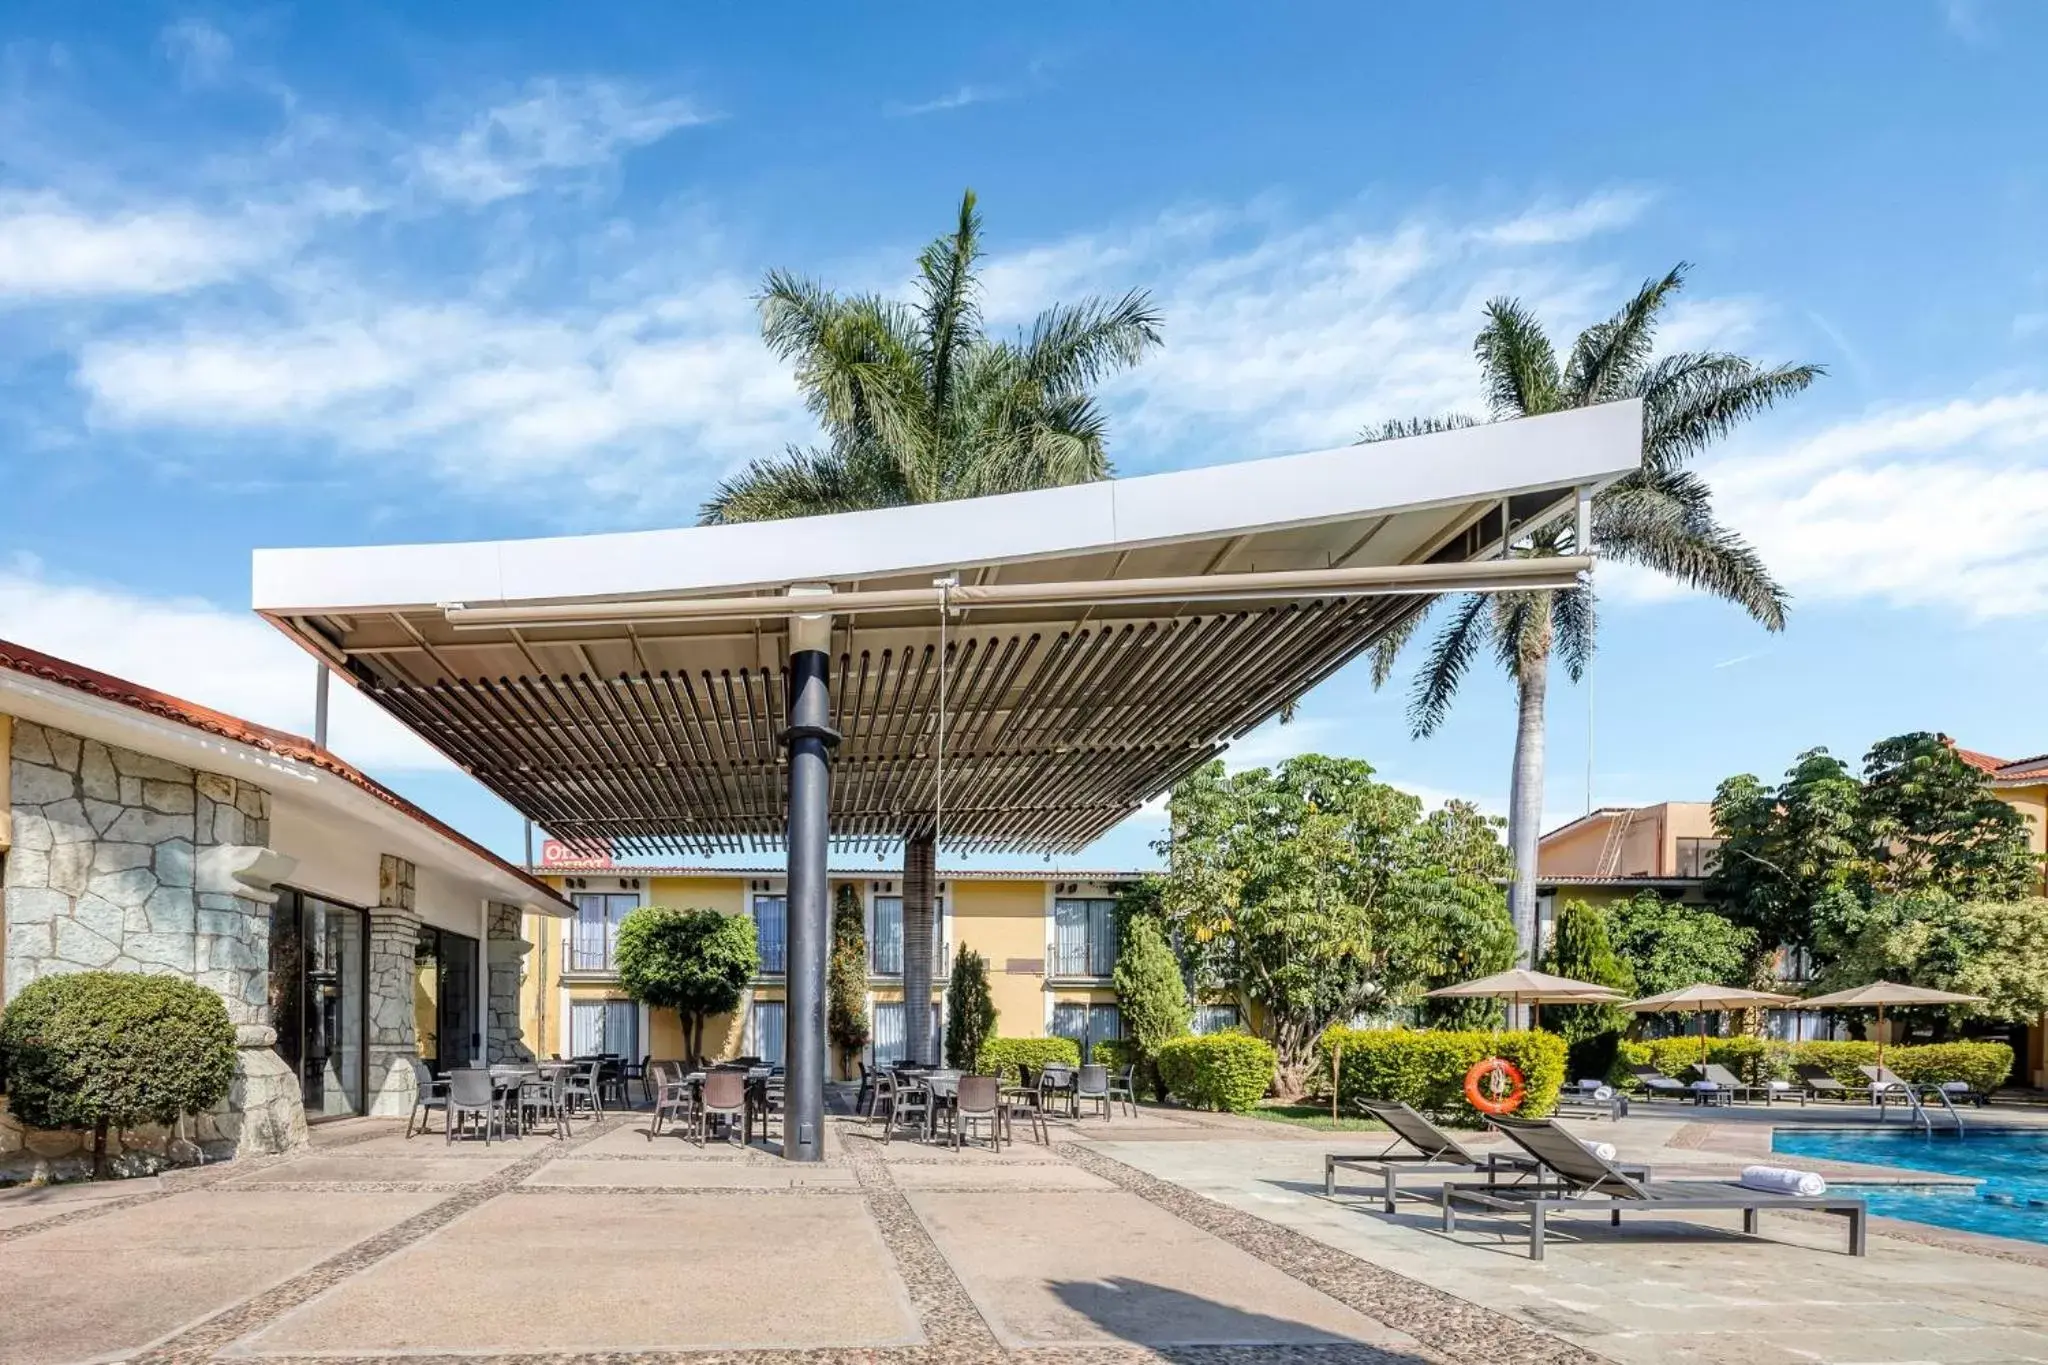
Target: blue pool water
[{"x": 2012, "y": 1201}]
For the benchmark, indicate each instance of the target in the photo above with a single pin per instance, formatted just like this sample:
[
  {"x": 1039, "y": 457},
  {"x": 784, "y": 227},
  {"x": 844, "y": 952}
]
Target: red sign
[{"x": 555, "y": 854}]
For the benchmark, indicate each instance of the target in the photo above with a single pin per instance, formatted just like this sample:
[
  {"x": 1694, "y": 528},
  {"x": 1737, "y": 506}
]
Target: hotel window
[
  {"x": 594, "y": 933},
  {"x": 1699, "y": 857},
  {"x": 600, "y": 1028},
  {"x": 1087, "y": 1025},
  {"x": 771, "y": 934},
  {"x": 888, "y": 1041},
  {"x": 1215, "y": 1018},
  {"x": 765, "y": 1031},
  {"x": 1084, "y": 937},
  {"x": 885, "y": 937}
]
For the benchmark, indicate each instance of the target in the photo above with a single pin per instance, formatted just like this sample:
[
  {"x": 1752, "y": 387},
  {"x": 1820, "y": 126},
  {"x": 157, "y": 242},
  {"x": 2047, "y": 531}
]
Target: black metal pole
[{"x": 810, "y": 739}]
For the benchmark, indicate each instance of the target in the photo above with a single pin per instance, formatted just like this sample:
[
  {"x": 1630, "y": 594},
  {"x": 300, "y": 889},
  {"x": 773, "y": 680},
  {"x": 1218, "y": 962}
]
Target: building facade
[
  {"x": 349, "y": 933},
  {"x": 1049, "y": 940}
]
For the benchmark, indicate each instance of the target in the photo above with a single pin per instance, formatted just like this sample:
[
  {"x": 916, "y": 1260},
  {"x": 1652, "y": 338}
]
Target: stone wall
[
  {"x": 505, "y": 954},
  {"x": 394, "y": 1040},
  {"x": 125, "y": 862}
]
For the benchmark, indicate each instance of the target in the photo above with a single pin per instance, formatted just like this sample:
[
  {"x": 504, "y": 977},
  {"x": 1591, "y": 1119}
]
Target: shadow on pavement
[{"x": 1163, "y": 1318}]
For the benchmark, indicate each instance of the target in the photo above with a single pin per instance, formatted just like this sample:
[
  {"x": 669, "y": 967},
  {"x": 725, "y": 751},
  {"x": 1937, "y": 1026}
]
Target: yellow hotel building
[{"x": 1049, "y": 938}]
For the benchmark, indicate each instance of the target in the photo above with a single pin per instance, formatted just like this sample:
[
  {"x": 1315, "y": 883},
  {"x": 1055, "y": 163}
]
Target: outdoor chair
[
  {"x": 1585, "y": 1182},
  {"x": 1056, "y": 1083},
  {"x": 1429, "y": 1150},
  {"x": 1821, "y": 1084},
  {"x": 671, "y": 1096},
  {"x": 724, "y": 1097},
  {"x": 1724, "y": 1079},
  {"x": 864, "y": 1096},
  {"x": 1657, "y": 1085},
  {"x": 611, "y": 1081},
  {"x": 1091, "y": 1086},
  {"x": 472, "y": 1093},
  {"x": 583, "y": 1090},
  {"x": 637, "y": 1071},
  {"x": 543, "y": 1100},
  {"x": 431, "y": 1094},
  {"x": 770, "y": 1103},
  {"x": 908, "y": 1099},
  {"x": 978, "y": 1100},
  {"x": 1584, "y": 1101},
  {"x": 1123, "y": 1089},
  {"x": 882, "y": 1091}
]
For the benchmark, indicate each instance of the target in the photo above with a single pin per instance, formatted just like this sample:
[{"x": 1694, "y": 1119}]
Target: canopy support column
[{"x": 810, "y": 740}]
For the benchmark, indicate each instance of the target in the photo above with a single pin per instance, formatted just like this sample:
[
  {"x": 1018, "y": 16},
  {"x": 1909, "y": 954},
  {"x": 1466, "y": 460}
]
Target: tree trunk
[
  {"x": 99, "y": 1150},
  {"x": 1525, "y": 804},
  {"x": 920, "y": 879}
]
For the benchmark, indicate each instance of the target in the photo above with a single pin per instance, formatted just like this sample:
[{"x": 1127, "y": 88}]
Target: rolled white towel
[
  {"x": 1603, "y": 1150},
  {"x": 1956, "y": 1087},
  {"x": 1783, "y": 1180},
  {"x": 1603, "y": 1093}
]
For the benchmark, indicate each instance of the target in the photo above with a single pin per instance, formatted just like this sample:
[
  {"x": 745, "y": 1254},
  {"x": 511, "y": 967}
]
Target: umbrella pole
[
  {"x": 1880, "y": 1033},
  {"x": 1703, "y": 1036}
]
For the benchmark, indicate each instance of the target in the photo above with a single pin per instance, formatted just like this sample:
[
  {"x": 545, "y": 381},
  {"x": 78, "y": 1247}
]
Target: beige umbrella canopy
[
  {"x": 1702, "y": 999},
  {"x": 1524, "y": 987},
  {"x": 1878, "y": 994}
]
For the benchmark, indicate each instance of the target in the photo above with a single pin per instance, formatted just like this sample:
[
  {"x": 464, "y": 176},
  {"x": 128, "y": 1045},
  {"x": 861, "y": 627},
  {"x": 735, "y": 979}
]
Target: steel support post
[{"x": 810, "y": 740}]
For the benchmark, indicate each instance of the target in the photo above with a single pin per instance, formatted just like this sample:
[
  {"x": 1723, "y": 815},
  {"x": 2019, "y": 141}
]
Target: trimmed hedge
[
  {"x": 1984, "y": 1066},
  {"x": 1002, "y": 1056},
  {"x": 1425, "y": 1068},
  {"x": 1229, "y": 1071},
  {"x": 110, "y": 1050},
  {"x": 1118, "y": 1053}
]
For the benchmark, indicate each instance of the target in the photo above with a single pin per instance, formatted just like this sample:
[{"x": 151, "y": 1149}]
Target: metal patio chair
[{"x": 430, "y": 1094}]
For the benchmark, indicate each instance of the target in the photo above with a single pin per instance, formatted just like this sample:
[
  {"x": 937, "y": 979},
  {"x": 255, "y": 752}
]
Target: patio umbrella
[
  {"x": 1882, "y": 993},
  {"x": 1702, "y": 998},
  {"x": 1524, "y": 987}
]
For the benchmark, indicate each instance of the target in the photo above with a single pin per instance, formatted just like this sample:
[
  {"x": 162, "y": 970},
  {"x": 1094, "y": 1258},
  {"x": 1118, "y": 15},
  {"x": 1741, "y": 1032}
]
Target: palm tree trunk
[
  {"x": 1525, "y": 801},
  {"x": 920, "y": 878}
]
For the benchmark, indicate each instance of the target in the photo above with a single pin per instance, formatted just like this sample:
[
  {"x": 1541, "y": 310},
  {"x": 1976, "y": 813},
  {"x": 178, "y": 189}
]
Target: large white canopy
[{"x": 1102, "y": 640}]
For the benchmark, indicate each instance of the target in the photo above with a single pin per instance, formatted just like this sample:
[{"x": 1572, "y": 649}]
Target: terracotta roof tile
[{"x": 48, "y": 668}]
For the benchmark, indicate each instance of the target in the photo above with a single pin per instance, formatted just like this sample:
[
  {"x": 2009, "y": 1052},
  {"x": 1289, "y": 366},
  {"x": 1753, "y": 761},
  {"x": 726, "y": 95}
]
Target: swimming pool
[{"x": 2013, "y": 1164}]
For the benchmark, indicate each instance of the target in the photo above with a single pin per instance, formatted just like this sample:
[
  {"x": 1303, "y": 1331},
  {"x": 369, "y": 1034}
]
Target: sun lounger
[
  {"x": 1820, "y": 1083},
  {"x": 1657, "y": 1085},
  {"x": 1428, "y": 1151},
  {"x": 1587, "y": 1183},
  {"x": 1585, "y": 1101},
  {"x": 1726, "y": 1080}
]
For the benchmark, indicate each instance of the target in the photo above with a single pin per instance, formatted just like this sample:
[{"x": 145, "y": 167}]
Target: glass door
[
  {"x": 445, "y": 969},
  {"x": 319, "y": 973}
]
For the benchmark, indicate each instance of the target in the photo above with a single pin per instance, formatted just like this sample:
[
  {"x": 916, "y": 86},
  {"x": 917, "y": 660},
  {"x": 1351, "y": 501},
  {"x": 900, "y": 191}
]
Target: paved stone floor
[{"x": 1170, "y": 1236}]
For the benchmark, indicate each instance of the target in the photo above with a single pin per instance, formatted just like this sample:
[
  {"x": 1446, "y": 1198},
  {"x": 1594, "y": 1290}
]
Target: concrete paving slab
[
  {"x": 986, "y": 1175},
  {"x": 703, "y": 1175},
  {"x": 354, "y": 1167},
  {"x": 110, "y": 1285},
  {"x": 633, "y": 1140},
  {"x": 25, "y": 1204},
  {"x": 433, "y": 1144},
  {"x": 1087, "y": 1269},
  {"x": 618, "y": 1272}
]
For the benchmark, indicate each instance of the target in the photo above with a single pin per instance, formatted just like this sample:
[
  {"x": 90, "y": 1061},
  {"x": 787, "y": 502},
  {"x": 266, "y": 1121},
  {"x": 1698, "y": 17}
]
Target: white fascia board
[
  {"x": 110, "y": 722},
  {"x": 1586, "y": 446}
]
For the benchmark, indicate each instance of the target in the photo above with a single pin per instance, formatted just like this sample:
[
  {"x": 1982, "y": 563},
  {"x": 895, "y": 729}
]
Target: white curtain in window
[
  {"x": 771, "y": 933},
  {"x": 768, "y": 1039},
  {"x": 888, "y": 1033},
  {"x": 885, "y": 944},
  {"x": 586, "y": 1027},
  {"x": 1070, "y": 941}
]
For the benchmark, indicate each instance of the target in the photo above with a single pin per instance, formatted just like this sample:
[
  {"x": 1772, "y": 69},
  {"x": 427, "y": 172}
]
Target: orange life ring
[{"x": 1502, "y": 1086}]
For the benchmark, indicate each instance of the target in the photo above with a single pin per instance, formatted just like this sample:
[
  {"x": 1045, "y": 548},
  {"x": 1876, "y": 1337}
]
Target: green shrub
[
  {"x": 1002, "y": 1056},
  {"x": 1425, "y": 1068},
  {"x": 970, "y": 1013},
  {"x": 1118, "y": 1053},
  {"x": 1984, "y": 1066},
  {"x": 1229, "y": 1071},
  {"x": 105, "y": 1050}
]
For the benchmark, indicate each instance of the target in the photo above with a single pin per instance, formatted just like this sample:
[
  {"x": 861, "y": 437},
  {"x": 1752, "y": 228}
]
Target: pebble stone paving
[{"x": 948, "y": 1328}]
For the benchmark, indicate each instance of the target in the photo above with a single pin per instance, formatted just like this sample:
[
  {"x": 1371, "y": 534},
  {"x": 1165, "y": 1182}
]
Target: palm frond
[
  {"x": 1574, "y": 617},
  {"x": 1395, "y": 428},
  {"x": 1522, "y": 632},
  {"x": 949, "y": 311},
  {"x": 1516, "y": 361},
  {"x": 1692, "y": 399},
  {"x": 1450, "y": 657},
  {"x": 1608, "y": 356},
  {"x": 1073, "y": 347},
  {"x": 802, "y": 482},
  {"x": 1386, "y": 650},
  {"x": 1708, "y": 557}
]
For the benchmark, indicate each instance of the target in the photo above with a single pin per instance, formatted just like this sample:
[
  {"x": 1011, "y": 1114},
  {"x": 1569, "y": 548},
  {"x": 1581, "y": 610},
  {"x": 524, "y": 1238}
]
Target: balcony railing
[
  {"x": 590, "y": 947},
  {"x": 886, "y": 959},
  {"x": 1082, "y": 959}
]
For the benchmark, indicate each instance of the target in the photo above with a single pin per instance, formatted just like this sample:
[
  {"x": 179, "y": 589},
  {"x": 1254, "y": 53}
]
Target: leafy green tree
[
  {"x": 919, "y": 404},
  {"x": 1580, "y": 949},
  {"x": 695, "y": 962},
  {"x": 1660, "y": 518},
  {"x": 846, "y": 979},
  {"x": 1933, "y": 822},
  {"x": 970, "y": 1012},
  {"x": 1669, "y": 945},
  {"x": 1996, "y": 949},
  {"x": 1149, "y": 988},
  {"x": 1788, "y": 850},
  {"x": 1449, "y": 921}
]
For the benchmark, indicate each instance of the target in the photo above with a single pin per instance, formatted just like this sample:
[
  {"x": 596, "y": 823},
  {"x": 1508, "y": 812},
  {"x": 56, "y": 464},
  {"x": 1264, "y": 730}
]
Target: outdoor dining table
[{"x": 757, "y": 1088}]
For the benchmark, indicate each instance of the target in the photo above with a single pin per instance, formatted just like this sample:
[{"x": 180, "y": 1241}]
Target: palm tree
[
  {"x": 919, "y": 404},
  {"x": 1660, "y": 517}
]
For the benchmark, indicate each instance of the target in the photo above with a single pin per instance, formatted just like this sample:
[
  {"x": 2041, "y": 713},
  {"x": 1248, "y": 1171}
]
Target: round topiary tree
[
  {"x": 695, "y": 962},
  {"x": 104, "y": 1050}
]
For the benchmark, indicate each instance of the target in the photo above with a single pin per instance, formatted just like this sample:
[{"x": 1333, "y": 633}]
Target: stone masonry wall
[
  {"x": 394, "y": 1042},
  {"x": 126, "y": 862},
  {"x": 505, "y": 952}
]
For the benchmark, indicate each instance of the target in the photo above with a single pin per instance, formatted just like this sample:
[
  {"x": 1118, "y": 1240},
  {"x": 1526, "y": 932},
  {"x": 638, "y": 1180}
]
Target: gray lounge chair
[
  {"x": 1430, "y": 1151},
  {"x": 1820, "y": 1083},
  {"x": 1724, "y": 1079},
  {"x": 1586, "y": 1183},
  {"x": 1657, "y": 1085}
]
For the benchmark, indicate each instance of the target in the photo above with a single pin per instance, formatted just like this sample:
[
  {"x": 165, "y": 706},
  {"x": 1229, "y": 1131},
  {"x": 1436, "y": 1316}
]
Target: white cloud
[
  {"x": 557, "y": 126},
  {"x": 201, "y": 51},
  {"x": 1939, "y": 506},
  {"x": 958, "y": 98},
  {"x": 226, "y": 660},
  {"x": 52, "y": 248},
  {"x": 1556, "y": 225}
]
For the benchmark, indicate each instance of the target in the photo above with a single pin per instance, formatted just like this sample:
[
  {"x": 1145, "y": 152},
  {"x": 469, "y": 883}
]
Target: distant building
[{"x": 1617, "y": 851}]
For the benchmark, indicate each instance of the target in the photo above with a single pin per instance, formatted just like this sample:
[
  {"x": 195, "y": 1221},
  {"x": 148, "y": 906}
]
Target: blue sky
[{"x": 293, "y": 276}]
